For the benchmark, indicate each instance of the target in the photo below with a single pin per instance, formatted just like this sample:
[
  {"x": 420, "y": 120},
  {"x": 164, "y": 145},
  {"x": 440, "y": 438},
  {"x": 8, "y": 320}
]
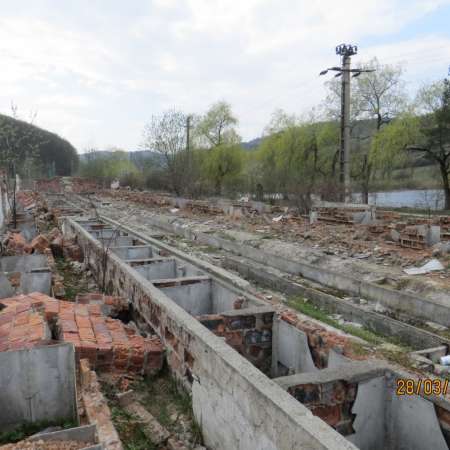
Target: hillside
[{"x": 51, "y": 154}]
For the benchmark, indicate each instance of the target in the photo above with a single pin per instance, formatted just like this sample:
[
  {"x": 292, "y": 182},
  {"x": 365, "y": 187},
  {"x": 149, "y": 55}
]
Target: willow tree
[
  {"x": 296, "y": 159},
  {"x": 427, "y": 132},
  {"x": 377, "y": 97}
]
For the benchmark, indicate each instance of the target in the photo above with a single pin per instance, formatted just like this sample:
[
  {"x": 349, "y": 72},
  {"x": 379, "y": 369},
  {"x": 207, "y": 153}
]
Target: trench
[{"x": 357, "y": 399}]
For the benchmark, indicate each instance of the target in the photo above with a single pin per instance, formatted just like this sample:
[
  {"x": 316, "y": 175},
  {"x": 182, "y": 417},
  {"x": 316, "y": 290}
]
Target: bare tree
[
  {"x": 380, "y": 96},
  {"x": 18, "y": 146},
  {"x": 166, "y": 134}
]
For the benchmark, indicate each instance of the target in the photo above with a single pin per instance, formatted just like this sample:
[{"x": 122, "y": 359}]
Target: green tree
[
  {"x": 376, "y": 96},
  {"x": 222, "y": 165},
  {"x": 217, "y": 127},
  {"x": 426, "y": 133},
  {"x": 434, "y": 139},
  {"x": 108, "y": 166},
  {"x": 297, "y": 158}
]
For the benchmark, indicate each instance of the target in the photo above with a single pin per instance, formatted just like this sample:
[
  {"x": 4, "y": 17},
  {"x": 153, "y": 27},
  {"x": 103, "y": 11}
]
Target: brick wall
[
  {"x": 107, "y": 343},
  {"x": 332, "y": 402},
  {"x": 247, "y": 331}
]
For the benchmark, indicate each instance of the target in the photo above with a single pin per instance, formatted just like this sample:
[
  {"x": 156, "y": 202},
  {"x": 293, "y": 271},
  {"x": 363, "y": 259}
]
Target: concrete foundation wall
[
  {"x": 37, "y": 385},
  {"x": 419, "y": 307},
  {"x": 136, "y": 252},
  {"x": 193, "y": 298},
  {"x": 292, "y": 348},
  {"x": 236, "y": 405},
  {"x": 158, "y": 270},
  {"x": 222, "y": 299},
  {"x": 360, "y": 401}
]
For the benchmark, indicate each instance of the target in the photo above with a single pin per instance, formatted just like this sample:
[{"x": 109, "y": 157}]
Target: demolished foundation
[{"x": 236, "y": 404}]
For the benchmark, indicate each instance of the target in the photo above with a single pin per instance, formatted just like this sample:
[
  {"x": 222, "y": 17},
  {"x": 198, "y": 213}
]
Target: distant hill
[
  {"x": 52, "y": 154},
  {"x": 251, "y": 145},
  {"x": 136, "y": 156}
]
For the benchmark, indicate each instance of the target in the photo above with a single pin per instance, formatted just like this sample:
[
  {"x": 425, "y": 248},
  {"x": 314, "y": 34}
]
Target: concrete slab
[{"x": 37, "y": 384}]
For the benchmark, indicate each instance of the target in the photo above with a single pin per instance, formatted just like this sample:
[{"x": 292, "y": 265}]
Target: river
[{"x": 414, "y": 198}]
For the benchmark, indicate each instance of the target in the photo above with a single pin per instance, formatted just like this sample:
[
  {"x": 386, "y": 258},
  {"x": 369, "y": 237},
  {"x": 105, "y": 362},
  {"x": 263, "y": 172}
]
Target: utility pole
[
  {"x": 188, "y": 149},
  {"x": 345, "y": 51}
]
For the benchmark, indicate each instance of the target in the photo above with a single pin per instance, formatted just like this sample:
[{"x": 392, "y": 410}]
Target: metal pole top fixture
[{"x": 346, "y": 50}]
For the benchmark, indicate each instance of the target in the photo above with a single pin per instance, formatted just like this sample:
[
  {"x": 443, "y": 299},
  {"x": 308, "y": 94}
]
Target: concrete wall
[
  {"x": 381, "y": 324},
  {"x": 236, "y": 405},
  {"x": 24, "y": 274},
  {"x": 193, "y": 298},
  {"x": 37, "y": 385},
  {"x": 293, "y": 349},
  {"x": 158, "y": 270},
  {"x": 360, "y": 400},
  {"x": 419, "y": 307},
  {"x": 136, "y": 252}
]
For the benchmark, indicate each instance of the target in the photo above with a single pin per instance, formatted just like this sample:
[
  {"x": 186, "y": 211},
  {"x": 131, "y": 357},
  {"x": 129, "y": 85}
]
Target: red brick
[{"x": 329, "y": 414}]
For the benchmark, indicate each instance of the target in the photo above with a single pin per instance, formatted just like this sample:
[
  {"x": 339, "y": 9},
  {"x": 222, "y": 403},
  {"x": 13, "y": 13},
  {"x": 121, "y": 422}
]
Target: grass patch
[
  {"x": 73, "y": 283},
  {"x": 168, "y": 402},
  {"x": 313, "y": 311},
  {"x": 130, "y": 430}
]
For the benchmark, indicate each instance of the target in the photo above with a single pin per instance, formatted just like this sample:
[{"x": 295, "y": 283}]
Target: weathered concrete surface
[
  {"x": 37, "y": 385},
  {"x": 85, "y": 433},
  {"x": 370, "y": 409},
  {"x": 292, "y": 348},
  {"x": 376, "y": 322},
  {"x": 434, "y": 309},
  {"x": 413, "y": 425},
  {"x": 237, "y": 407},
  {"x": 24, "y": 274},
  {"x": 382, "y": 418}
]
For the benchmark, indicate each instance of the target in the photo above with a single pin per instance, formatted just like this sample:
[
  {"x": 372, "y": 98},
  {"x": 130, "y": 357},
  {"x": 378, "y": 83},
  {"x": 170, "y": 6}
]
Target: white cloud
[{"x": 98, "y": 77}]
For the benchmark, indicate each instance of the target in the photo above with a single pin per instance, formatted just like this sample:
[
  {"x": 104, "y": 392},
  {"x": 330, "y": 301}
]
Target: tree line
[{"x": 297, "y": 156}]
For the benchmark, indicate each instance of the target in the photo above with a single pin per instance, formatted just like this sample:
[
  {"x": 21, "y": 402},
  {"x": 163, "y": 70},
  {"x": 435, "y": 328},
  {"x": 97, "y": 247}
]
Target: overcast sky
[{"x": 95, "y": 71}]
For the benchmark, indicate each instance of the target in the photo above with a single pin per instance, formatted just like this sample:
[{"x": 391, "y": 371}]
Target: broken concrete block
[
  {"x": 151, "y": 427},
  {"x": 395, "y": 235},
  {"x": 125, "y": 398}
]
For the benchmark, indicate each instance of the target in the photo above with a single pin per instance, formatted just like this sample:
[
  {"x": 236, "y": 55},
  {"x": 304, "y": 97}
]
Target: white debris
[
  {"x": 115, "y": 184},
  {"x": 277, "y": 219},
  {"x": 430, "y": 266},
  {"x": 174, "y": 210},
  {"x": 435, "y": 326}
]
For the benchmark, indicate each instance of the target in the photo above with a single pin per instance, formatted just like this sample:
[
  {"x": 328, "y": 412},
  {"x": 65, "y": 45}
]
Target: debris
[
  {"x": 278, "y": 219},
  {"x": 174, "y": 210},
  {"x": 435, "y": 326},
  {"x": 440, "y": 370},
  {"x": 40, "y": 243},
  {"x": 150, "y": 426},
  {"x": 430, "y": 266}
]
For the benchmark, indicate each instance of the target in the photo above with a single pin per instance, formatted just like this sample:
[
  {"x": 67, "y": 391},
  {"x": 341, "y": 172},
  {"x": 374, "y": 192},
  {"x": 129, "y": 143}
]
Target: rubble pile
[
  {"x": 58, "y": 185},
  {"x": 107, "y": 343}
]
